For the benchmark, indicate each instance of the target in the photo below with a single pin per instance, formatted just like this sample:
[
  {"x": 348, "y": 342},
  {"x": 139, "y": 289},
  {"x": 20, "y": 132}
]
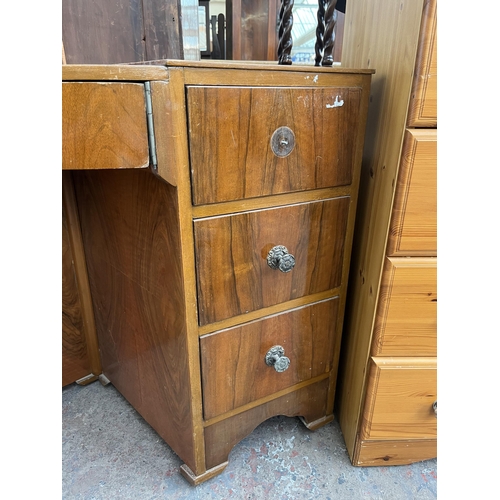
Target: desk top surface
[{"x": 159, "y": 70}]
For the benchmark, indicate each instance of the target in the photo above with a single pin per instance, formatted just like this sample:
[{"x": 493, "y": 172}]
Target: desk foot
[
  {"x": 209, "y": 474},
  {"x": 316, "y": 424},
  {"x": 87, "y": 379}
]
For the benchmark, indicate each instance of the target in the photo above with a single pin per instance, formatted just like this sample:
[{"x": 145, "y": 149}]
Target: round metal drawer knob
[
  {"x": 435, "y": 407},
  {"x": 282, "y": 141},
  {"x": 275, "y": 357},
  {"x": 279, "y": 258}
]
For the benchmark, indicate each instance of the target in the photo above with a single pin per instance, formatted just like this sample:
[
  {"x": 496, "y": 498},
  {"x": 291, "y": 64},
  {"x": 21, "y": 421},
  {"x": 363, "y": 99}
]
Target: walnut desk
[{"x": 217, "y": 202}]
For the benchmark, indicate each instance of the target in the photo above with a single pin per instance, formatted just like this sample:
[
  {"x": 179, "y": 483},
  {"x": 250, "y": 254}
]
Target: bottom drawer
[
  {"x": 234, "y": 370},
  {"x": 399, "y": 399},
  {"x": 394, "y": 452}
]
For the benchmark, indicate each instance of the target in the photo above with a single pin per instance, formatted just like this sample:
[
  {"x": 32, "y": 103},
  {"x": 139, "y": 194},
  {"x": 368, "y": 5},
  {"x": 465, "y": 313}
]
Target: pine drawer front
[
  {"x": 413, "y": 229},
  {"x": 248, "y": 142},
  {"x": 233, "y": 274},
  {"x": 234, "y": 370},
  {"x": 104, "y": 126},
  {"x": 399, "y": 399},
  {"x": 406, "y": 321}
]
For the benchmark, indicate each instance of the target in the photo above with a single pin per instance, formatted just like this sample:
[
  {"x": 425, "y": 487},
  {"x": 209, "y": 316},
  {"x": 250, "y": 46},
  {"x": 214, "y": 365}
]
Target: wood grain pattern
[
  {"x": 114, "y": 72},
  {"x": 233, "y": 365},
  {"x": 308, "y": 402},
  {"x": 166, "y": 133},
  {"x": 231, "y": 155},
  {"x": 399, "y": 398},
  {"x": 406, "y": 321},
  {"x": 103, "y": 32},
  {"x": 75, "y": 362},
  {"x": 381, "y": 35},
  {"x": 413, "y": 228},
  {"x": 180, "y": 155},
  {"x": 394, "y": 452},
  {"x": 121, "y": 31},
  {"x": 133, "y": 254},
  {"x": 150, "y": 253},
  {"x": 162, "y": 29},
  {"x": 104, "y": 126},
  {"x": 231, "y": 251},
  {"x": 251, "y": 30},
  {"x": 80, "y": 357},
  {"x": 423, "y": 103}
]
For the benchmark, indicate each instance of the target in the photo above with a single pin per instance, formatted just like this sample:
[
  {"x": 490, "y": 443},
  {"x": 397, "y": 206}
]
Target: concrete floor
[{"x": 109, "y": 452}]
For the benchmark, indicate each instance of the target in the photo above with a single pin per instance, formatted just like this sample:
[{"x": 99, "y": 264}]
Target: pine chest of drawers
[
  {"x": 218, "y": 266},
  {"x": 387, "y": 390}
]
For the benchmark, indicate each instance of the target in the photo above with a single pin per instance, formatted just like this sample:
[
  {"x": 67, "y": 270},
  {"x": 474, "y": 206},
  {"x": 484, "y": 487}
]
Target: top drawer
[{"x": 247, "y": 142}]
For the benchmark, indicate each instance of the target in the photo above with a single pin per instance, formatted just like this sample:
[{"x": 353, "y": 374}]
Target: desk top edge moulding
[{"x": 217, "y": 203}]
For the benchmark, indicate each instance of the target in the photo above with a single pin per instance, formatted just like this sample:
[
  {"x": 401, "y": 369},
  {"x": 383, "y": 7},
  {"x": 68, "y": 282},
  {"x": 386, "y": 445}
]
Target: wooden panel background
[
  {"x": 253, "y": 29},
  {"x": 121, "y": 31}
]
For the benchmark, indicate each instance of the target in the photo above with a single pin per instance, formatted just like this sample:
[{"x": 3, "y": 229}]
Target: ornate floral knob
[
  {"x": 279, "y": 258},
  {"x": 275, "y": 357}
]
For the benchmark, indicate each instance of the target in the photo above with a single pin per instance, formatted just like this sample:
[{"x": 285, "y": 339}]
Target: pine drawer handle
[
  {"x": 275, "y": 357},
  {"x": 279, "y": 258}
]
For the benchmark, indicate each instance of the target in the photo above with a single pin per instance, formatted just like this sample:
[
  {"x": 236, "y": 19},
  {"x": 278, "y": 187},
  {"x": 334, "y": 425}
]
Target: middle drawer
[
  {"x": 233, "y": 271},
  {"x": 233, "y": 361}
]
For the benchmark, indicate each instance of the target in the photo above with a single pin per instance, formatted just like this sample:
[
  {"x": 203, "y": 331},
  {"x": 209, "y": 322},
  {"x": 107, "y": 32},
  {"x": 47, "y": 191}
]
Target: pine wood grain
[
  {"x": 413, "y": 228},
  {"x": 399, "y": 398},
  {"x": 232, "y": 272},
  {"x": 384, "y": 36},
  {"x": 394, "y": 452},
  {"x": 104, "y": 126},
  {"x": 233, "y": 364},
  {"x": 406, "y": 321},
  {"x": 230, "y": 140},
  {"x": 423, "y": 103}
]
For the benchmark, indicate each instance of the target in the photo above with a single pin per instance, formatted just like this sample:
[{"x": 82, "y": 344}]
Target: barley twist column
[
  {"x": 285, "y": 32},
  {"x": 320, "y": 30},
  {"x": 329, "y": 36}
]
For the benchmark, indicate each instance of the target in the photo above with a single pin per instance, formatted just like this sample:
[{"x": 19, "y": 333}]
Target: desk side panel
[{"x": 132, "y": 241}]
